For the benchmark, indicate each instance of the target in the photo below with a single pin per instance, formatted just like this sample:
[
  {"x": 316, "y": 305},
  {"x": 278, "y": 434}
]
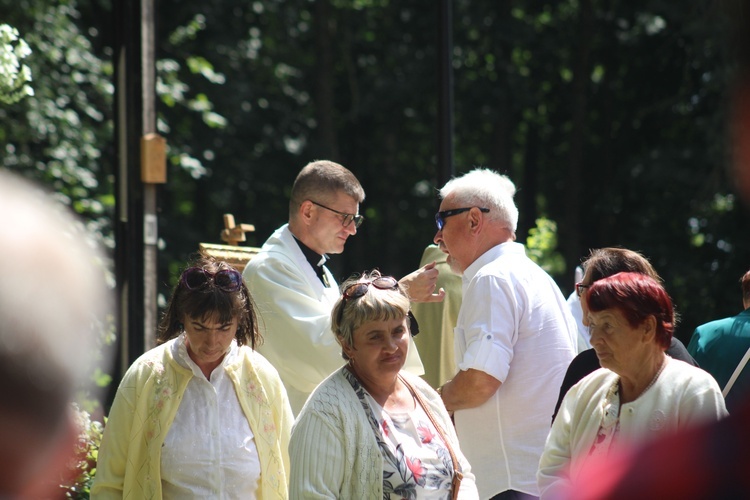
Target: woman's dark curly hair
[{"x": 210, "y": 302}]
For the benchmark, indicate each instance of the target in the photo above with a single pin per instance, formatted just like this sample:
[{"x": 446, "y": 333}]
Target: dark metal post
[
  {"x": 135, "y": 206},
  {"x": 129, "y": 195}
]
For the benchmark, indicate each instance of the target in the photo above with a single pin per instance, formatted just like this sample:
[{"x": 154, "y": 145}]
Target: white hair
[{"x": 485, "y": 188}]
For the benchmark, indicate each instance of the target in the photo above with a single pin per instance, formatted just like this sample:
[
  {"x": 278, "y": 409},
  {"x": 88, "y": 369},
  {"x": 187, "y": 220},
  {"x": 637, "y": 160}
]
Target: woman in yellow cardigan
[{"x": 202, "y": 415}]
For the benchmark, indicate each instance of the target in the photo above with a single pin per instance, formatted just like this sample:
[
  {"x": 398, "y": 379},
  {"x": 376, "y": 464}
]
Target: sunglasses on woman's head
[
  {"x": 356, "y": 290},
  {"x": 228, "y": 280}
]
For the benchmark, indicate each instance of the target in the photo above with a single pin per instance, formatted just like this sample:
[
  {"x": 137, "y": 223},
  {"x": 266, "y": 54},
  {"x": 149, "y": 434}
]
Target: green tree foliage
[
  {"x": 300, "y": 87},
  {"x": 14, "y": 75},
  {"x": 609, "y": 116},
  {"x": 62, "y": 136},
  {"x": 541, "y": 247}
]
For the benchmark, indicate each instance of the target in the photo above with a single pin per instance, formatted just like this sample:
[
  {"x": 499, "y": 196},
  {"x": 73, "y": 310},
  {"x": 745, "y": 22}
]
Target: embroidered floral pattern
[
  {"x": 253, "y": 389},
  {"x": 163, "y": 392},
  {"x": 610, "y": 425}
]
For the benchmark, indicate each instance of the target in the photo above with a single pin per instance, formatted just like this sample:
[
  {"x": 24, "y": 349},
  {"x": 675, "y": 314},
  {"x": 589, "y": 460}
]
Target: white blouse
[{"x": 209, "y": 451}]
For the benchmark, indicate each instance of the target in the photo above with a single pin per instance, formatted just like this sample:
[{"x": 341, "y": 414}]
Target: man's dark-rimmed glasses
[
  {"x": 581, "y": 287},
  {"x": 441, "y": 216},
  {"x": 347, "y": 218}
]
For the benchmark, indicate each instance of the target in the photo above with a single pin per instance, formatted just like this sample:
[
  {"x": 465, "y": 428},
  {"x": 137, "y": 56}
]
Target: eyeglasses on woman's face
[
  {"x": 581, "y": 288},
  {"x": 228, "y": 280},
  {"x": 441, "y": 216},
  {"x": 346, "y": 218}
]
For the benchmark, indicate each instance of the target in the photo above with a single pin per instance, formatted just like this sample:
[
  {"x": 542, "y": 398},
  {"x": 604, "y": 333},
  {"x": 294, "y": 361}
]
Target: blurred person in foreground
[
  {"x": 514, "y": 336},
  {"x": 707, "y": 462},
  {"x": 722, "y": 348},
  {"x": 202, "y": 415},
  {"x": 601, "y": 263},
  {"x": 372, "y": 430},
  {"x": 638, "y": 394},
  {"x": 53, "y": 296},
  {"x": 294, "y": 289}
]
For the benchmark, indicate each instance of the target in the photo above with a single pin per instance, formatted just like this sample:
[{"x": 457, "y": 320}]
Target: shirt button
[{"x": 489, "y": 337}]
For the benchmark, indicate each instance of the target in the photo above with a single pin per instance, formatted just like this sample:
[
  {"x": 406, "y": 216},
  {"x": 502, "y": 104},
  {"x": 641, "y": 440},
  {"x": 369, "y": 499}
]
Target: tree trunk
[
  {"x": 324, "y": 25},
  {"x": 579, "y": 89},
  {"x": 500, "y": 149},
  {"x": 527, "y": 197}
]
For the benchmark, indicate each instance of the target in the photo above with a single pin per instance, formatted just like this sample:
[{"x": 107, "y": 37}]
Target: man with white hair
[
  {"x": 52, "y": 293},
  {"x": 514, "y": 336}
]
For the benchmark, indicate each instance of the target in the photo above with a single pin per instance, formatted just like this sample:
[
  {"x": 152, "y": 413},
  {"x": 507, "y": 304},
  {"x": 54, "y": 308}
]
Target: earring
[
  {"x": 413, "y": 325},
  {"x": 349, "y": 354}
]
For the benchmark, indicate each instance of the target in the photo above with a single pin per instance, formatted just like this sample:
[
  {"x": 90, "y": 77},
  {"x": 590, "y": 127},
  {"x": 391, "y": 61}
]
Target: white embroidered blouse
[{"x": 209, "y": 451}]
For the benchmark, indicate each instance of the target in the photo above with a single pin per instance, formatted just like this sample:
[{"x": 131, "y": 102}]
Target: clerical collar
[{"x": 316, "y": 260}]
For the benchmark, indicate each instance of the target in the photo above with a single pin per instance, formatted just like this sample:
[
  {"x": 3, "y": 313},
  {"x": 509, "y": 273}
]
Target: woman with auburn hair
[
  {"x": 638, "y": 394},
  {"x": 600, "y": 263}
]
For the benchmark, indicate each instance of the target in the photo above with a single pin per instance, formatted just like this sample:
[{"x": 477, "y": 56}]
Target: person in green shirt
[{"x": 720, "y": 346}]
